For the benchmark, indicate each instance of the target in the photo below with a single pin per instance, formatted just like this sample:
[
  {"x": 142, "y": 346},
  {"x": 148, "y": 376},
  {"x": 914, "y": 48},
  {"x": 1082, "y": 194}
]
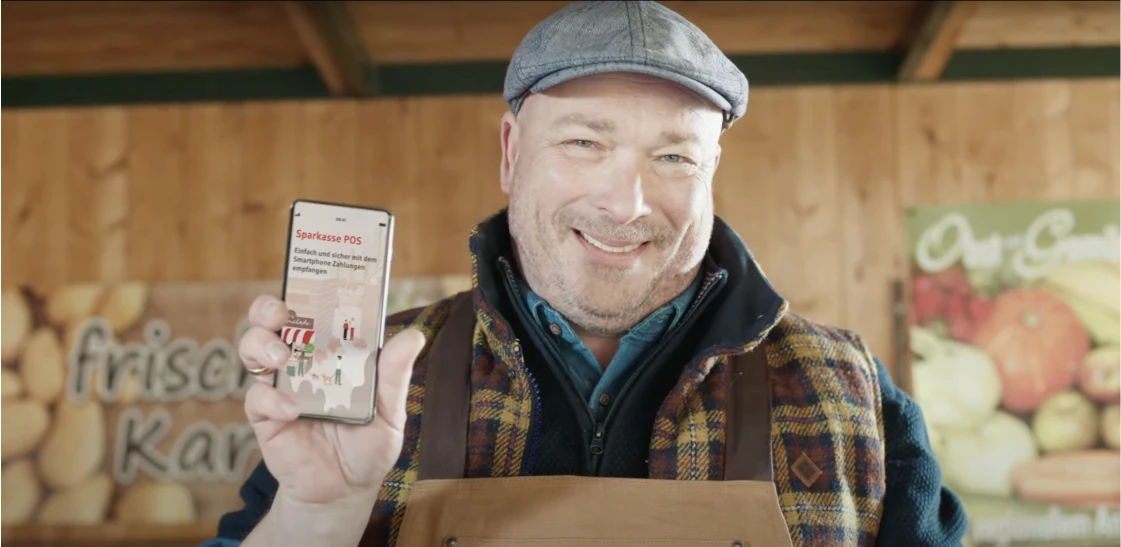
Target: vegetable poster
[
  {"x": 1015, "y": 339},
  {"x": 123, "y": 410}
]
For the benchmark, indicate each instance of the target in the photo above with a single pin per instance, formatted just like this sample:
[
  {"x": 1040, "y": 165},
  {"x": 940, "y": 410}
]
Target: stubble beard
[{"x": 596, "y": 299}]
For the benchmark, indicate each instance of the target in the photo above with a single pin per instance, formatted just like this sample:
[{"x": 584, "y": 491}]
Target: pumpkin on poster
[{"x": 1037, "y": 343}]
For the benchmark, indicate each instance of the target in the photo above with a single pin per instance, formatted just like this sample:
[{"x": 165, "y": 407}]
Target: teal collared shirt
[{"x": 598, "y": 385}]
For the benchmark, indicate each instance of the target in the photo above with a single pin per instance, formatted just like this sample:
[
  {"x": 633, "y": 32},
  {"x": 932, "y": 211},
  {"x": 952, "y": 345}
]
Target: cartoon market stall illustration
[{"x": 298, "y": 333}]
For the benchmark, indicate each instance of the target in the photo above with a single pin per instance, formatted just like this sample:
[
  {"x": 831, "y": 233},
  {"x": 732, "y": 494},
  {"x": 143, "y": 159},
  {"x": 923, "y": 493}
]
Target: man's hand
[{"x": 322, "y": 467}]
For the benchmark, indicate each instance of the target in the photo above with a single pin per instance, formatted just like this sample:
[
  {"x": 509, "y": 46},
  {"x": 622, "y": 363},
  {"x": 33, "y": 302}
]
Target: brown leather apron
[{"x": 445, "y": 509}]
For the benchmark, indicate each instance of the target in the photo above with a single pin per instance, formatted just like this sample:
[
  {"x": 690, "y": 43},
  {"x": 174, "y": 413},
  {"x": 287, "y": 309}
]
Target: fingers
[
  {"x": 268, "y": 312},
  {"x": 262, "y": 348},
  {"x": 268, "y": 410},
  {"x": 395, "y": 369}
]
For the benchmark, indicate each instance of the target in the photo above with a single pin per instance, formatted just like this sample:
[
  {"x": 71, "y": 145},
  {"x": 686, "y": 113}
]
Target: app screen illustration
[{"x": 334, "y": 289}]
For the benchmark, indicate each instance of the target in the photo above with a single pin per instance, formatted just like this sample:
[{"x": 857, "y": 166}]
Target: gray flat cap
[{"x": 595, "y": 37}]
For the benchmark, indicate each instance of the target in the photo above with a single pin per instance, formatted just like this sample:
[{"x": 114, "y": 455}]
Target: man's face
[{"x": 610, "y": 184}]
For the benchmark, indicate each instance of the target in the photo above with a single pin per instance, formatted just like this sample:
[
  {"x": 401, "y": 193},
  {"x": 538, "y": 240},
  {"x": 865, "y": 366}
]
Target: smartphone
[{"x": 336, "y": 285}]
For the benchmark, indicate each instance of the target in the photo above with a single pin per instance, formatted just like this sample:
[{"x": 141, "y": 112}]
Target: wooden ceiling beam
[
  {"x": 934, "y": 42},
  {"x": 329, "y": 36}
]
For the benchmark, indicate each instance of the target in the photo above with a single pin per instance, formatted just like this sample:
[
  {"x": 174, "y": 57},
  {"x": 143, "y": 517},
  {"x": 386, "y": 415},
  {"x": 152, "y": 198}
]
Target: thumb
[{"x": 395, "y": 370}]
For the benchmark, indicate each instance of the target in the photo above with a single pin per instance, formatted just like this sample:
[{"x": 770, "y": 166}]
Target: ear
[
  {"x": 508, "y": 137},
  {"x": 716, "y": 161}
]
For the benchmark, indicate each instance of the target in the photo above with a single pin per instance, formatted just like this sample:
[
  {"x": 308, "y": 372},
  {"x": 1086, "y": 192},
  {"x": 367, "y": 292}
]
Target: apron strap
[
  {"x": 443, "y": 437},
  {"x": 747, "y": 453}
]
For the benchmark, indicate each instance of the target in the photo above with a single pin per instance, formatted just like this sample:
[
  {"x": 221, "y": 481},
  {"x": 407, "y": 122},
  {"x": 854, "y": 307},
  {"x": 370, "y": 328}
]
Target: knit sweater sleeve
[
  {"x": 256, "y": 496},
  {"x": 918, "y": 510}
]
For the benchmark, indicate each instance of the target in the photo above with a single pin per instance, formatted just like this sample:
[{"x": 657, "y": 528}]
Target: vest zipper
[
  {"x": 595, "y": 445},
  {"x": 644, "y": 368},
  {"x": 599, "y": 428}
]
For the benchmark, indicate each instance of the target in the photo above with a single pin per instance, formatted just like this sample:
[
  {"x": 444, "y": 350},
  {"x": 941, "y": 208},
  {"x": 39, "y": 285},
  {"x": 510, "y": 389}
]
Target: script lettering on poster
[{"x": 1046, "y": 243}]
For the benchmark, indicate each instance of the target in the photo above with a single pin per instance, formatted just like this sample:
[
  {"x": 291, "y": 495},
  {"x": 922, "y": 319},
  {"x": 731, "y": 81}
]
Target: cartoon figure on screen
[
  {"x": 348, "y": 312},
  {"x": 349, "y": 329},
  {"x": 304, "y": 358},
  {"x": 339, "y": 370}
]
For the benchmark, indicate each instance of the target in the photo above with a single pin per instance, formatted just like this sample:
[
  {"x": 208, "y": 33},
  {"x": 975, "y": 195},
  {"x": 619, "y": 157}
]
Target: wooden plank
[
  {"x": 327, "y": 33},
  {"x": 1043, "y": 142},
  {"x": 747, "y": 180},
  {"x": 214, "y": 171},
  {"x": 402, "y": 32},
  {"x": 809, "y": 208},
  {"x": 1093, "y": 119},
  {"x": 119, "y": 36},
  {"x": 273, "y": 150},
  {"x": 780, "y": 193},
  {"x": 83, "y": 239},
  {"x": 98, "y": 194},
  {"x": 487, "y": 127},
  {"x": 13, "y": 206},
  {"x": 933, "y": 44},
  {"x": 112, "y": 203},
  {"x": 1030, "y": 153},
  {"x": 1049, "y": 23},
  {"x": 158, "y": 215},
  {"x": 330, "y": 151},
  {"x": 40, "y": 185},
  {"x": 981, "y": 145},
  {"x": 1113, "y": 112},
  {"x": 929, "y": 167},
  {"x": 390, "y": 164},
  {"x": 871, "y": 219},
  {"x": 448, "y": 212}
]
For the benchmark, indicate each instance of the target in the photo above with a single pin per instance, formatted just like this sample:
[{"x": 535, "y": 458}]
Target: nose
[{"x": 620, "y": 194}]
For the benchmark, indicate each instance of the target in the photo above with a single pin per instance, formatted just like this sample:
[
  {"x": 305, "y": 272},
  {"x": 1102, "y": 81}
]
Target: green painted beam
[
  {"x": 487, "y": 77},
  {"x": 1013, "y": 64},
  {"x": 169, "y": 87}
]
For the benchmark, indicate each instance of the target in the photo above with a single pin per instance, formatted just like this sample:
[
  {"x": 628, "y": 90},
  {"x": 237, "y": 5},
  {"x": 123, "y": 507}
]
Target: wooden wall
[
  {"x": 69, "y": 37},
  {"x": 815, "y": 179}
]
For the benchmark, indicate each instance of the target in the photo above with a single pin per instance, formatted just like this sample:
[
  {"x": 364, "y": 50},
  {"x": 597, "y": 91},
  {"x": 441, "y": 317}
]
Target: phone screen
[{"x": 335, "y": 288}]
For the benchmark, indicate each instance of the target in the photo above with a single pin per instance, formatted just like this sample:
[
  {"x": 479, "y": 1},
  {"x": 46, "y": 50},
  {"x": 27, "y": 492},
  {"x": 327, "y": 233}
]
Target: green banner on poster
[{"x": 1015, "y": 337}]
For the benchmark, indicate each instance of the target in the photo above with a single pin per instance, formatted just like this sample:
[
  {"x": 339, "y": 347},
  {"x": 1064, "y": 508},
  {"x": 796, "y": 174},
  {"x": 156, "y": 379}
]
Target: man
[{"x": 616, "y": 331}]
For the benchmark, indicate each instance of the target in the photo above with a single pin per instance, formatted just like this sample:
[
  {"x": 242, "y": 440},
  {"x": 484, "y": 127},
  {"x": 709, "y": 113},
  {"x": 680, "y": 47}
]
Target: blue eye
[
  {"x": 673, "y": 158},
  {"x": 583, "y": 143}
]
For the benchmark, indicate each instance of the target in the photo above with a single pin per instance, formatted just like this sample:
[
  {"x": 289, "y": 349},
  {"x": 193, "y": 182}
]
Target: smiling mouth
[{"x": 617, "y": 249}]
